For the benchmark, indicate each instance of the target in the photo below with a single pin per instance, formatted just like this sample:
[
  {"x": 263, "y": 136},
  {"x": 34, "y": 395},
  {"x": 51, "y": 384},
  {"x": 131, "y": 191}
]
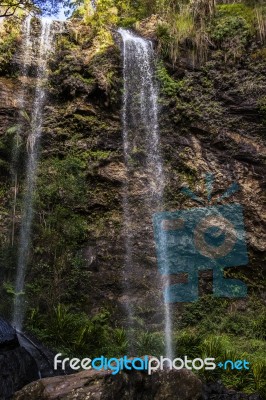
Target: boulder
[
  {"x": 102, "y": 385},
  {"x": 17, "y": 367}
]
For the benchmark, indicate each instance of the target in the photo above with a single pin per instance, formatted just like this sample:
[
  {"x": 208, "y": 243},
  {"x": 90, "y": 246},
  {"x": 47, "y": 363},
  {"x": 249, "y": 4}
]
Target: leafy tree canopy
[
  {"x": 47, "y": 7},
  {"x": 9, "y": 7}
]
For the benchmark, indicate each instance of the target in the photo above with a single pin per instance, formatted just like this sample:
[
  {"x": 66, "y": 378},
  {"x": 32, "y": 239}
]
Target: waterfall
[
  {"x": 144, "y": 185},
  {"x": 26, "y": 48},
  {"x": 44, "y": 46}
]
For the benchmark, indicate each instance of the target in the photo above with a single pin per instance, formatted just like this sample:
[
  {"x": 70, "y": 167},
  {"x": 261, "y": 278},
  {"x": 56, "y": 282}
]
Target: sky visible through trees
[{"x": 59, "y": 8}]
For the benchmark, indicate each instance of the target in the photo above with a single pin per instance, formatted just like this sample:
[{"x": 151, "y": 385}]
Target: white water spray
[
  {"x": 26, "y": 49},
  {"x": 44, "y": 47},
  {"x": 145, "y": 177}
]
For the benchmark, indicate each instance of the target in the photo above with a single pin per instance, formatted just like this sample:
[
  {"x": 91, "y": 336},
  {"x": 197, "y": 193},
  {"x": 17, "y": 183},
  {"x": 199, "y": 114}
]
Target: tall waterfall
[
  {"x": 26, "y": 50},
  {"x": 44, "y": 46},
  {"x": 144, "y": 186}
]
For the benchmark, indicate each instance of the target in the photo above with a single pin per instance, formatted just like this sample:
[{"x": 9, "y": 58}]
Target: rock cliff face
[{"x": 212, "y": 119}]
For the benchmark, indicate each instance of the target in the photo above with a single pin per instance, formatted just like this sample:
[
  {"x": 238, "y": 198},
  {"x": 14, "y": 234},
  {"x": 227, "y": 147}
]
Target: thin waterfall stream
[
  {"x": 44, "y": 47},
  {"x": 144, "y": 185},
  {"x": 26, "y": 50}
]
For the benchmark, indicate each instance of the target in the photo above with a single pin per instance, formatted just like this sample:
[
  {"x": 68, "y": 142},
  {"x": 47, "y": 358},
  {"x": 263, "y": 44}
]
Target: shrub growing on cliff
[
  {"x": 149, "y": 343},
  {"x": 198, "y": 26},
  {"x": 69, "y": 331},
  {"x": 232, "y": 27},
  {"x": 9, "y": 35},
  {"x": 169, "y": 86}
]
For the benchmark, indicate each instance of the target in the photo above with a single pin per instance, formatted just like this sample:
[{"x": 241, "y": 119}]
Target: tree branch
[{"x": 8, "y": 8}]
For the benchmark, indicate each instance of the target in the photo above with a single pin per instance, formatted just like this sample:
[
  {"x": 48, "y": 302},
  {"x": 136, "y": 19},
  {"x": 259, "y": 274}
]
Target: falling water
[
  {"x": 26, "y": 52},
  {"x": 145, "y": 178},
  {"x": 44, "y": 44}
]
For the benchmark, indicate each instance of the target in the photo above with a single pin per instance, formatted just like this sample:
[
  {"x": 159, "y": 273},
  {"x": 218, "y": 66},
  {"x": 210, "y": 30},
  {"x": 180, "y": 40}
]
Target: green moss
[
  {"x": 57, "y": 177},
  {"x": 87, "y": 81},
  {"x": 92, "y": 120},
  {"x": 127, "y": 22},
  {"x": 98, "y": 154},
  {"x": 65, "y": 42}
]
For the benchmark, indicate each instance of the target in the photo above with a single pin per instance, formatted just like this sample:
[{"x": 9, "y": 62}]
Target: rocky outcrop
[
  {"x": 102, "y": 385},
  {"x": 147, "y": 27},
  {"x": 17, "y": 367},
  {"x": 217, "y": 391}
]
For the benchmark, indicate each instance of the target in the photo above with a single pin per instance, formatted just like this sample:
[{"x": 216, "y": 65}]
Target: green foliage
[
  {"x": 193, "y": 26},
  {"x": 228, "y": 26},
  {"x": 62, "y": 181},
  {"x": 9, "y": 288},
  {"x": 210, "y": 328},
  {"x": 60, "y": 280},
  {"x": 165, "y": 39},
  {"x": 232, "y": 27},
  {"x": 69, "y": 331},
  {"x": 259, "y": 326},
  {"x": 169, "y": 86},
  {"x": 8, "y": 8},
  {"x": 200, "y": 311},
  {"x": 188, "y": 343},
  {"x": 194, "y": 343},
  {"x": 75, "y": 334},
  {"x": 215, "y": 346},
  {"x": 127, "y": 22},
  {"x": 120, "y": 342},
  {"x": 148, "y": 343},
  {"x": 177, "y": 29},
  {"x": 259, "y": 372},
  {"x": 197, "y": 27},
  {"x": 135, "y": 9},
  {"x": 9, "y": 34},
  {"x": 106, "y": 13},
  {"x": 98, "y": 155},
  {"x": 211, "y": 315},
  {"x": 60, "y": 231}
]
